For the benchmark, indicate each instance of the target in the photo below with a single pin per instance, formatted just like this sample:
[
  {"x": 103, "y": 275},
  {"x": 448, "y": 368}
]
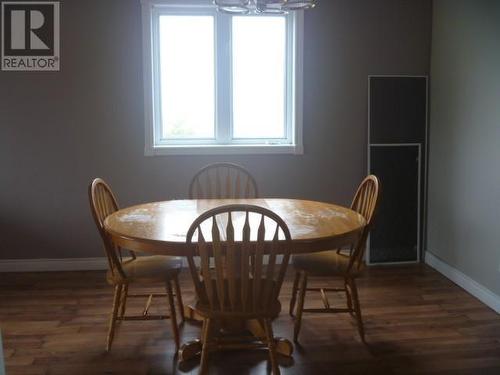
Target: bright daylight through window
[{"x": 221, "y": 83}]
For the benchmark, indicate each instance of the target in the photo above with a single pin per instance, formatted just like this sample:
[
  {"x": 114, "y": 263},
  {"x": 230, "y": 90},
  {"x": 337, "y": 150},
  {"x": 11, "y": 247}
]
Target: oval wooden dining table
[{"x": 161, "y": 228}]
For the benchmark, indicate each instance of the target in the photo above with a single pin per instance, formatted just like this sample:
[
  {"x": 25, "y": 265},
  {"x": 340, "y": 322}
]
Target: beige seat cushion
[
  {"x": 325, "y": 263},
  {"x": 148, "y": 268}
]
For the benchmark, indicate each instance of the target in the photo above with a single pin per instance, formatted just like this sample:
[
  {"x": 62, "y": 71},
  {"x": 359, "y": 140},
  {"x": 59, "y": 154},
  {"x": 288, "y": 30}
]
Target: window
[{"x": 220, "y": 83}]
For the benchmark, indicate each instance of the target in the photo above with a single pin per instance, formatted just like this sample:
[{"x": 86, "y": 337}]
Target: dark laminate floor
[{"x": 416, "y": 322}]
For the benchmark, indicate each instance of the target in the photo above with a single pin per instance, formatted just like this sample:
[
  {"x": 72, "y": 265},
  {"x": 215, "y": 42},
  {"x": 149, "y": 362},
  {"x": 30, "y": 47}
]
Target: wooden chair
[
  {"x": 123, "y": 272},
  {"x": 338, "y": 263},
  {"x": 223, "y": 180},
  {"x": 239, "y": 286}
]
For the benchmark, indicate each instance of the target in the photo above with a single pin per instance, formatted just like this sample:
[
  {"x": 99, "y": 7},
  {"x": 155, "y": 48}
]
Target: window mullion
[
  {"x": 156, "y": 98},
  {"x": 223, "y": 68},
  {"x": 290, "y": 79}
]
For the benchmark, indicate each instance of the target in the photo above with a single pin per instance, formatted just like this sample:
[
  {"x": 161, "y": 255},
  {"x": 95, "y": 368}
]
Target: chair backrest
[
  {"x": 365, "y": 202},
  {"x": 236, "y": 240},
  {"x": 223, "y": 180},
  {"x": 102, "y": 204}
]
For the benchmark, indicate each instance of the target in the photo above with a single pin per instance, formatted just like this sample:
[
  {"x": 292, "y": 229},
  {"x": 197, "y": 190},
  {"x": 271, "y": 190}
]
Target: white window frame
[{"x": 151, "y": 9}]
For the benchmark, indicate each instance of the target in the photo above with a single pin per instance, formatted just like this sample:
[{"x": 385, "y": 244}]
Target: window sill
[{"x": 224, "y": 150}]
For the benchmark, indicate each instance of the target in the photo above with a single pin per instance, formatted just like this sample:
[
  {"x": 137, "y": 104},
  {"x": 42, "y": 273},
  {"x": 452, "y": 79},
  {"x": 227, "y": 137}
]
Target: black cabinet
[{"x": 397, "y": 136}]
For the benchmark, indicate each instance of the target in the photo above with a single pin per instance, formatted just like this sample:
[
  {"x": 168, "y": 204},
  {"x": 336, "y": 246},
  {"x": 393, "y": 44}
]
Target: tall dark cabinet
[{"x": 397, "y": 145}]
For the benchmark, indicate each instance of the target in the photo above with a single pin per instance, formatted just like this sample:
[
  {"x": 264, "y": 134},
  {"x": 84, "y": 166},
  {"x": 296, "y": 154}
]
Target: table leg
[
  {"x": 193, "y": 348},
  {"x": 190, "y": 350},
  {"x": 191, "y": 314},
  {"x": 283, "y": 346}
]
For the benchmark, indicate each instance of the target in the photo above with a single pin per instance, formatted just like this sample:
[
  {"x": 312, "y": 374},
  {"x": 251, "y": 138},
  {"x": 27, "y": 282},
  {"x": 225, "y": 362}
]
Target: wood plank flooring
[{"x": 417, "y": 322}]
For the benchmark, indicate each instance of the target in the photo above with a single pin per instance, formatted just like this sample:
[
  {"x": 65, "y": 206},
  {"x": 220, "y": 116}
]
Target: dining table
[{"x": 160, "y": 228}]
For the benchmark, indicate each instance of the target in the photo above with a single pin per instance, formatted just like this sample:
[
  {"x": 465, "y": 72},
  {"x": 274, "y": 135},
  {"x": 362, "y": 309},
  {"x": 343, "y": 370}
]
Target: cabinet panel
[
  {"x": 395, "y": 236},
  {"x": 398, "y": 109}
]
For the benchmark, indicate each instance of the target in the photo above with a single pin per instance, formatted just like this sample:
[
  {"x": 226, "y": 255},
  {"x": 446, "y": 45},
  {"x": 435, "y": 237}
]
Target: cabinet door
[
  {"x": 398, "y": 111},
  {"x": 395, "y": 235}
]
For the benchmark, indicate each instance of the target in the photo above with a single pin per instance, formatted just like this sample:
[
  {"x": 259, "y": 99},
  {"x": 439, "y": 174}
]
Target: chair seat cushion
[
  {"x": 156, "y": 268},
  {"x": 325, "y": 263}
]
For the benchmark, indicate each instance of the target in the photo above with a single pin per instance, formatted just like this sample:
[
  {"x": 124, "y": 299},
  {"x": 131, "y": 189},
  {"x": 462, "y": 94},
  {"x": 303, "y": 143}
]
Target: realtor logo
[{"x": 30, "y": 35}]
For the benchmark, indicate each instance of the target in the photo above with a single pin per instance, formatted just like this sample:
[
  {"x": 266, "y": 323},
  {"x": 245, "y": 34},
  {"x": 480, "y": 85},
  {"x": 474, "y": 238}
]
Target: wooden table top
[{"x": 161, "y": 227}]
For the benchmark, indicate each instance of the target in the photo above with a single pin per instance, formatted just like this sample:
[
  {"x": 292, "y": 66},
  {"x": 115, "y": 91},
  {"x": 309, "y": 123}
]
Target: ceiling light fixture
[{"x": 263, "y": 6}]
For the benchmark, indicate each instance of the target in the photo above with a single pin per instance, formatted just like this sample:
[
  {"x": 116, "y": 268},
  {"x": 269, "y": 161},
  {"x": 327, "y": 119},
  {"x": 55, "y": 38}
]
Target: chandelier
[{"x": 262, "y": 6}]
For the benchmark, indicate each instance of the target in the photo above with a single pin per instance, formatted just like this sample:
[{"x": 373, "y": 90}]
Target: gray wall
[
  {"x": 464, "y": 178},
  {"x": 58, "y": 130}
]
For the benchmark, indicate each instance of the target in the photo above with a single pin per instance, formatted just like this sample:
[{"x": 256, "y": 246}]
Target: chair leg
[
  {"x": 357, "y": 308},
  {"x": 173, "y": 316},
  {"x": 294, "y": 292},
  {"x": 180, "y": 304},
  {"x": 123, "y": 303},
  {"x": 348, "y": 296},
  {"x": 205, "y": 340},
  {"x": 272, "y": 346},
  {"x": 114, "y": 314},
  {"x": 300, "y": 307}
]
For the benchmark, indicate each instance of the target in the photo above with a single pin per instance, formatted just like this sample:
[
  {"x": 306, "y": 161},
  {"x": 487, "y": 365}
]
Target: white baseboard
[
  {"x": 473, "y": 287},
  {"x": 66, "y": 264},
  {"x": 43, "y": 265}
]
